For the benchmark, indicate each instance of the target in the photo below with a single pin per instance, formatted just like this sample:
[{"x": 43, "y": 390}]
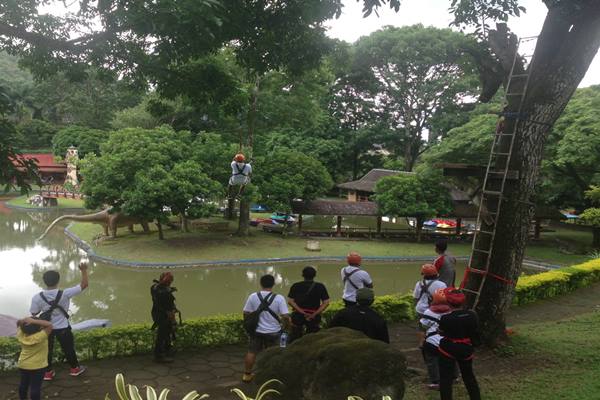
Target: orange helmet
[
  {"x": 354, "y": 258},
  {"x": 439, "y": 297},
  {"x": 454, "y": 297},
  {"x": 239, "y": 157},
  {"x": 429, "y": 270}
]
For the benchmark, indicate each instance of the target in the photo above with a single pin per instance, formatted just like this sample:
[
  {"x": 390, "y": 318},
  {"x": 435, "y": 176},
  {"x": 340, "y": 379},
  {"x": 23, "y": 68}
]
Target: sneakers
[
  {"x": 433, "y": 386},
  {"x": 49, "y": 375},
  {"x": 247, "y": 377},
  {"x": 77, "y": 371}
]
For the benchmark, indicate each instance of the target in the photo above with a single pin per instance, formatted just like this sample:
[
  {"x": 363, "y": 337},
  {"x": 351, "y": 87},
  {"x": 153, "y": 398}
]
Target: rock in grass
[{"x": 334, "y": 364}]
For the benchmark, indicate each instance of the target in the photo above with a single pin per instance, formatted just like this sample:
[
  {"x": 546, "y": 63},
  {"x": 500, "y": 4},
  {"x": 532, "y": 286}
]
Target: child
[
  {"x": 425, "y": 288},
  {"x": 459, "y": 333},
  {"x": 32, "y": 334},
  {"x": 430, "y": 321}
]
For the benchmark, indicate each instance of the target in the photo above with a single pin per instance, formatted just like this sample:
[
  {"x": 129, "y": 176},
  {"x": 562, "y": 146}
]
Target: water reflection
[{"x": 123, "y": 296}]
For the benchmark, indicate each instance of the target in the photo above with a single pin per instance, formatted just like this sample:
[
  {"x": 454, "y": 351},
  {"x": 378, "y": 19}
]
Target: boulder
[{"x": 333, "y": 364}]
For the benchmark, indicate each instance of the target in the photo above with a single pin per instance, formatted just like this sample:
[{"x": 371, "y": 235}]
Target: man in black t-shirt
[
  {"x": 308, "y": 300},
  {"x": 362, "y": 317}
]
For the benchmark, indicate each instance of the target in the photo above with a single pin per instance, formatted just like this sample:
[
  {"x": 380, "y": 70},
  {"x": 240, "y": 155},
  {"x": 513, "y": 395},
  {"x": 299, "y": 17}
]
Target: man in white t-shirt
[
  {"x": 240, "y": 171},
  {"x": 269, "y": 327},
  {"x": 43, "y": 301},
  {"x": 354, "y": 278},
  {"x": 425, "y": 288}
]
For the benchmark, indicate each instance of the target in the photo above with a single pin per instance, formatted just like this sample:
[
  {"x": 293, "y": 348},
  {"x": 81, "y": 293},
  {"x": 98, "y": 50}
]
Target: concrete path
[{"x": 216, "y": 370}]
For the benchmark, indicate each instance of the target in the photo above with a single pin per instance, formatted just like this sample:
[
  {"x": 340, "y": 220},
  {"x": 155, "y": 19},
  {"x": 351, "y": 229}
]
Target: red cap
[
  {"x": 354, "y": 258},
  {"x": 439, "y": 297},
  {"x": 239, "y": 157},
  {"x": 429, "y": 270}
]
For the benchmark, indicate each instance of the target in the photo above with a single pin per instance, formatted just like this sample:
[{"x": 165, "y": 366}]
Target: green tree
[
  {"x": 134, "y": 117},
  {"x": 410, "y": 195},
  {"x": 591, "y": 215},
  {"x": 36, "y": 134},
  {"x": 86, "y": 140},
  {"x": 285, "y": 175},
  {"x": 412, "y": 74}
]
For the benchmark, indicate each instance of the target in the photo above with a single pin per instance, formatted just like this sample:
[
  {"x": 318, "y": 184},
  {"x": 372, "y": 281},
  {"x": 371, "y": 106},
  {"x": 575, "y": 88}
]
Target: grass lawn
[
  {"x": 21, "y": 201},
  {"x": 205, "y": 245},
  {"x": 200, "y": 245},
  {"x": 550, "y": 360}
]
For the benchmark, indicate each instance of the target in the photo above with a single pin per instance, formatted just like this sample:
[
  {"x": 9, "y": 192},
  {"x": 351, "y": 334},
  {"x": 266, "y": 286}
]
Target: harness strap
[
  {"x": 347, "y": 278},
  {"x": 54, "y": 304},
  {"x": 265, "y": 304},
  {"x": 240, "y": 171},
  {"x": 425, "y": 289},
  {"x": 469, "y": 270},
  {"x": 434, "y": 319}
]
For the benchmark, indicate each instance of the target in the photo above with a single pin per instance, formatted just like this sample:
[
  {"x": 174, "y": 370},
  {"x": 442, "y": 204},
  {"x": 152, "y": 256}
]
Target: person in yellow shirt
[{"x": 32, "y": 334}]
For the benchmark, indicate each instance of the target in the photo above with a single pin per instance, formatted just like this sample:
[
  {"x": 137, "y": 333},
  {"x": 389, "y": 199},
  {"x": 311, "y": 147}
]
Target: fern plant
[{"x": 131, "y": 392}]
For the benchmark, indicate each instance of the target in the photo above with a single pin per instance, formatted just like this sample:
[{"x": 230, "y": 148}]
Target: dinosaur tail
[{"x": 72, "y": 217}]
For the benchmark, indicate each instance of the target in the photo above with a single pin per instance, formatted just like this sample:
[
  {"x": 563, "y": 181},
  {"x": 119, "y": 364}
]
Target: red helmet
[
  {"x": 454, "y": 297},
  {"x": 354, "y": 258},
  {"x": 439, "y": 297},
  {"x": 239, "y": 157},
  {"x": 429, "y": 270},
  {"x": 166, "y": 278}
]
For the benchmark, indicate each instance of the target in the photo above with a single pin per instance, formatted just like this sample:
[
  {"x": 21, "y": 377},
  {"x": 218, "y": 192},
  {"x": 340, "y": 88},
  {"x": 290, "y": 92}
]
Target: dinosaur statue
[{"x": 109, "y": 220}]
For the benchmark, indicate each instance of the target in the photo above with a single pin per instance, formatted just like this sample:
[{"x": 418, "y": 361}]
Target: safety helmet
[
  {"x": 354, "y": 258},
  {"x": 439, "y": 297},
  {"x": 239, "y": 157},
  {"x": 166, "y": 278},
  {"x": 429, "y": 270},
  {"x": 454, "y": 297}
]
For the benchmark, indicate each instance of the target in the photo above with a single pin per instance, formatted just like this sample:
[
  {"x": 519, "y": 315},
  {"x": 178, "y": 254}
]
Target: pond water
[{"x": 122, "y": 295}]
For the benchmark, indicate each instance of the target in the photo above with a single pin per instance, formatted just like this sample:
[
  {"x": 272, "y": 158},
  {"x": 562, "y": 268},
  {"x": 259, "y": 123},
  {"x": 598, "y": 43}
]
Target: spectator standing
[
  {"x": 32, "y": 335},
  {"x": 429, "y": 322},
  {"x": 60, "y": 301},
  {"x": 363, "y": 318},
  {"x": 273, "y": 311},
  {"x": 163, "y": 317},
  {"x": 445, "y": 263},
  {"x": 354, "y": 278},
  {"x": 459, "y": 332},
  {"x": 308, "y": 300},
  {"x": 425, "y": 288}
]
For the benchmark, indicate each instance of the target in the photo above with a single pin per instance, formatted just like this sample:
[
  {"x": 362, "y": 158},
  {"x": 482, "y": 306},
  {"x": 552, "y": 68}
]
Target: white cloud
[{"x": 351, "y": 25}]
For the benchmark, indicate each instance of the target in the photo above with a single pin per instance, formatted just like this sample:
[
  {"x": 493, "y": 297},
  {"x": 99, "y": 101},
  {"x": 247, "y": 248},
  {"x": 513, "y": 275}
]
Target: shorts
[{"x": 261, "y": 341}]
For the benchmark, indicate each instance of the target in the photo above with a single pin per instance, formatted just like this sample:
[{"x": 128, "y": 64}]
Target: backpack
[
  {"x": 251, "y": 319},
  {"x": 47, "y": 315}
]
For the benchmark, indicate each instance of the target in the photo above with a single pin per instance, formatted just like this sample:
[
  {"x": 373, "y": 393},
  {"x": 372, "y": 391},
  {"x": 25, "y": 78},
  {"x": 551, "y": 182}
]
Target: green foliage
[
  {"x": 219, "y": 330},
  {"x": 286, "y": 175},
  {"x": 86, "y": 140},
  {"x": 36, "y": 134},
  {"x": 553, "y": 283},
  {"x": 412, "y": 73},
  {"x": 134, "y": 392},
  {"x": 593, "y": 194},
  {"x": 411, "y": 195},
  {"x": 134, "y": 117},
  {"x": 144, "y": 172},
  {"x": 591, "y": 216}
]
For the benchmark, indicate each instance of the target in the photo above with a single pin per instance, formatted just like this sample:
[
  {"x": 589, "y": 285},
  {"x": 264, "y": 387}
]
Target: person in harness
[
  {"x": 264, "y": 314},
  {"x": 52, "y": 304},
  {"x": 163, "y": 317},
  {"x": 308, "y": 300},
  {"x": 241, "y": 171},
  {"x": 362, "y": 317},
  {"x": 354, "y": 278},
  {"x": 425, "y": 288},
  {"x": 459, "y": 334},
  {"x": 429, "y": 322}
]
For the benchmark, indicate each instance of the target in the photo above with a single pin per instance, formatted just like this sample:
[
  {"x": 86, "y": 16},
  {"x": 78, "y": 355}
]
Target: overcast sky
[{"x": 351, "y": 25}]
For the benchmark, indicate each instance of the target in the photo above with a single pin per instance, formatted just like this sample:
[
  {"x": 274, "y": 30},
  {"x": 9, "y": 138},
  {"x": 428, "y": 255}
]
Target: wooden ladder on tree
[{"x": 497, "y": 170}]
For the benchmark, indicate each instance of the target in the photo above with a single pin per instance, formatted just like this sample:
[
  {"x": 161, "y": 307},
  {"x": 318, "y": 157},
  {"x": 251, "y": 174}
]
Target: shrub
[{"x": 557, "y": 282}]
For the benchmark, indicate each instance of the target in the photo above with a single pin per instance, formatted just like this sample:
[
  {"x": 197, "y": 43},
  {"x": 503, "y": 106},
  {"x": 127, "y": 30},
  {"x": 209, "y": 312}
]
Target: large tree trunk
[
  {"x": 244, "y": 221},
  {"x": 565, "y": 49},
  {"x": 161, "y": 235}
]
